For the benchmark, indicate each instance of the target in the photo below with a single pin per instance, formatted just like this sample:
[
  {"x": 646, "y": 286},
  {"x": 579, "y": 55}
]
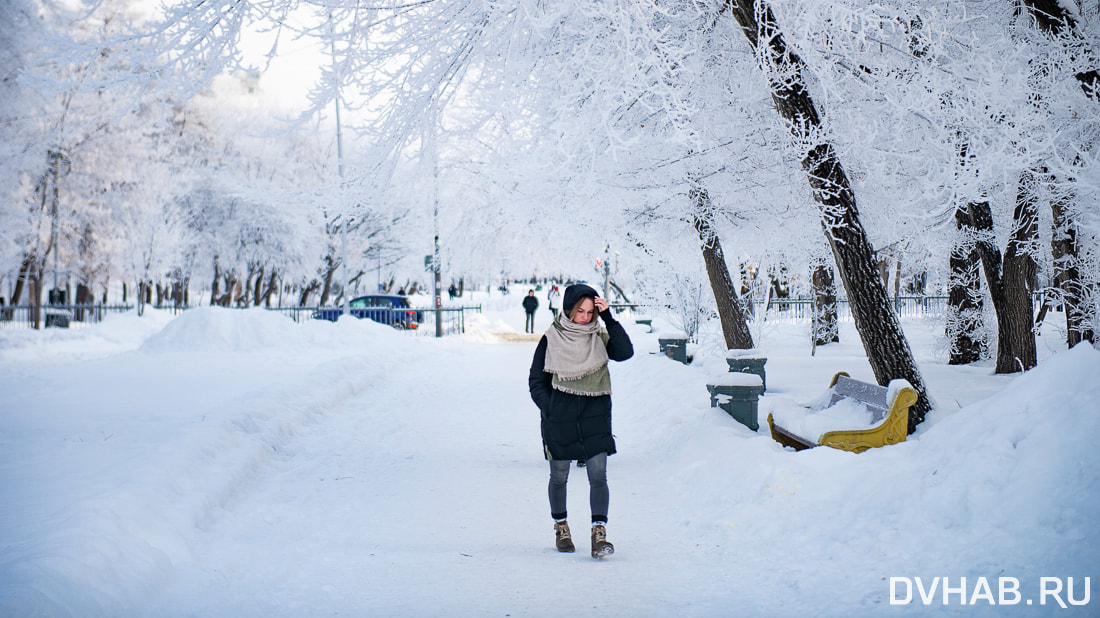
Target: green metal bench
[{"x": 738, "y": 394}]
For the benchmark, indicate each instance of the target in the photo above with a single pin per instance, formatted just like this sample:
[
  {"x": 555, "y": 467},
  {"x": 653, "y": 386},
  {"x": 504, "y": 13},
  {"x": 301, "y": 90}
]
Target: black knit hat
[{"x": 574, "y": 294}]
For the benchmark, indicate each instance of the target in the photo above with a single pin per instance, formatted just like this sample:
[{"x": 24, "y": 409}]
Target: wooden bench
[{"x": 855, "y": 417}]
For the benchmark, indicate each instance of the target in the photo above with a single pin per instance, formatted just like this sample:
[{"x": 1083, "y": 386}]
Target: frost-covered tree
[
  {"x": 886, "y": 346},
  {"x": 534, "y": 137},
  {"x": 1075, "y": 55},
  {"x": 21, "y": 31}
]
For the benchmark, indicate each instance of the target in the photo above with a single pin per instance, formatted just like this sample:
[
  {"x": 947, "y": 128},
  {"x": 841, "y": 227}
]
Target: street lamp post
[
  {"x": 340, "y": 167},
  {"x": 435, "y": 252}
]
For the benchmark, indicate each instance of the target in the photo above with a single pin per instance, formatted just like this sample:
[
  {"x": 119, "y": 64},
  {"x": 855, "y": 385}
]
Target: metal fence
[
  {"x": 453, "y": 319},
  {"x": 802, "y": 309},
  {"x": 65, "y": 316}
]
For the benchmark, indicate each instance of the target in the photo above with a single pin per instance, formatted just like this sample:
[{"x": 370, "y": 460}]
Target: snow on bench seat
[
  {"x": 844, "y": 414},
  {"x": 851, "y": 415}
]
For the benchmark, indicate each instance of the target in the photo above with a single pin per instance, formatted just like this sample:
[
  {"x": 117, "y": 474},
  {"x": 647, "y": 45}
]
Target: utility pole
[
  {"x": 340, "y": 167},
  {"x": 435, "y": 252},
  {"x": 59, "y": 165},
  {"x": 607, "y": 272},
  {"x": 55, "y": 164}
]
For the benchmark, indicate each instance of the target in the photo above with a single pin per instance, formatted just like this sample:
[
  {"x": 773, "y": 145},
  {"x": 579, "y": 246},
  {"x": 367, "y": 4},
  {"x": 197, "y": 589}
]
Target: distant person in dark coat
[
  {"x": 571, "y": 385},
  {"x": 530, "y": 304}
]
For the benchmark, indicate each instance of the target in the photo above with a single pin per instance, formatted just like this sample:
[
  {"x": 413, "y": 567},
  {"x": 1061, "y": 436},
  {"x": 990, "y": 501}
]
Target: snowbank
[{"x": 118, "y": 332}]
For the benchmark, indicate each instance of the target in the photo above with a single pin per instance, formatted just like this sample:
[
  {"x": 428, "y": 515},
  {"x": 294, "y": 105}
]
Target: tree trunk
[
  {"x": 24, "y": 276},
  {"x": 897, "y": 281},
  {"x": 269, "y": 290},
  {"x": 964, "y": 296},
  {"x": 748, "y": 280},
  {"x": 1020, "y": 271},
  {"x": 214, "y": 285},
  {"x": 883, "y": 266},
  {"x": 331, "y": 264},
  {"x": 1007, "y": 286},
  {"x": 826, "y": 329},
  {"x": 35, "y": 290},
  {"x": 883, "y": 340},
  {"x": 231, "y": 288},
  {"x": 258, "y": 288},
  {"x": 307, "y": 291},
  {"x": 246, "y": 285},
  {"x": 734, "y": 328},
  {"x": 1067, "y": 278}
]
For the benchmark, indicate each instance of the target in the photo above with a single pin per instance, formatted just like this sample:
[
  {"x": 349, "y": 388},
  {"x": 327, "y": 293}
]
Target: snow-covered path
[
  {"x": 432, "y": 502},
  {"x": 386, "y": 503}
]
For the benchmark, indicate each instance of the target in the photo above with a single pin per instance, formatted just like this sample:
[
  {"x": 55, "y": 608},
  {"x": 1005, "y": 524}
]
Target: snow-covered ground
[{"x": 233, "y": 463}]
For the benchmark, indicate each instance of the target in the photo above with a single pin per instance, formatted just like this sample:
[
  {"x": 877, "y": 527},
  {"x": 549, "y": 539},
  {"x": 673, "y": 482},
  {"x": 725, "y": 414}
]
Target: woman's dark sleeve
[
  {"x": 619, "y": 347},
  {"x": 538, "y": 380}
]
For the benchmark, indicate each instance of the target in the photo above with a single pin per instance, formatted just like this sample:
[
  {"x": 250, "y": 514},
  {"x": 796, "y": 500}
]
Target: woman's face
[{"x": 583, "y": 312}]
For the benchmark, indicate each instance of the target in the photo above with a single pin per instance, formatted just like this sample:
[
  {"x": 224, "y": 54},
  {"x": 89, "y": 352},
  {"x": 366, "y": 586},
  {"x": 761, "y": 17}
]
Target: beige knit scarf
[{"x": 577, "y": 356}]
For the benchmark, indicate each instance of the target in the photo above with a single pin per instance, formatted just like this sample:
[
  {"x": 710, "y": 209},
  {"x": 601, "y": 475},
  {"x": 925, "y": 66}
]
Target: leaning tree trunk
[
  {"x": 307, "y": 290},
  {"x": 826, "y": 329},
  {"x": 329, "y": 271},
  {"x": 883, "y": 340},
  {"x": 24, "y": 276},
  {"x": 734, "y": 328},
  {"x": 964, "y": 296}
]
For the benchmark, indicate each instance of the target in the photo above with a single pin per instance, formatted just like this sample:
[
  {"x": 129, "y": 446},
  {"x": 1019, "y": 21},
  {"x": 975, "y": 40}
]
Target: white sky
[{"x": 296, "y": 67}]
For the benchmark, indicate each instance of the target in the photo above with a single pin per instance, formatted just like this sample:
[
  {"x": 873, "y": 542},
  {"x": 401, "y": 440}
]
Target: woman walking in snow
[
  {"x": 571, "y": 385},
  {"x": 554, "y": 297}
]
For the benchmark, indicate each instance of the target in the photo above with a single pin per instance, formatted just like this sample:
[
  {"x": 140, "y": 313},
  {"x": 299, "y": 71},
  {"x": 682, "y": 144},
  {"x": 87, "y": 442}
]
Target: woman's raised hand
[{"x": 601, "y": 305}]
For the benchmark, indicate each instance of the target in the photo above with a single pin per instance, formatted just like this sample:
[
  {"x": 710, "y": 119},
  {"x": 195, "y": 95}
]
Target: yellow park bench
[{"x": 850, "y": 416}]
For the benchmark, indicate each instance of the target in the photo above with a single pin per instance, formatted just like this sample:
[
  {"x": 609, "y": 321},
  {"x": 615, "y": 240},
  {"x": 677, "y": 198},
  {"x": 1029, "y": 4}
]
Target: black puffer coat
[
  {"x": 575, "y": 426},
  {"x": 530, "y": 304}
]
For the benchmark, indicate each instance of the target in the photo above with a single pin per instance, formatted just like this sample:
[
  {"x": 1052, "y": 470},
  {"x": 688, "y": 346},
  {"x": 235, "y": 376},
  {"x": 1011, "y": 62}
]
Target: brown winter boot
[
  {"x": 564, "y": 540},
  {"x": 600, "y": 545}
]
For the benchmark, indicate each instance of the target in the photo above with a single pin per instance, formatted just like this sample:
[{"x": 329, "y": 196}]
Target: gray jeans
[{"x": 598, "y": 494}]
